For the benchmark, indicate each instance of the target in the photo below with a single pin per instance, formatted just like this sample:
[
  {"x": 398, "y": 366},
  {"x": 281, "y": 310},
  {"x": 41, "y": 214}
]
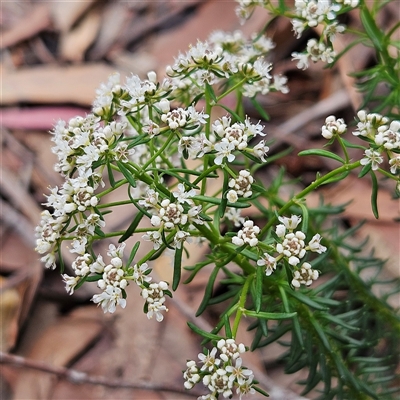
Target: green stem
[
  {"x": 160, "y": 151},
  {"x": 241, "y": 304},
  {"x": 345, "y": 152},
  {"x": 307, "y": 190},
  {"x": 231, "y": 89},
  {"x": 112, "y": 188}
]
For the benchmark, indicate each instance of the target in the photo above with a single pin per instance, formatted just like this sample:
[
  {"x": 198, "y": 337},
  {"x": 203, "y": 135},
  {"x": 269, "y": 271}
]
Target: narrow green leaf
[
  {"x": 202, "y": 333},
  {"x": 279, "y": 332},
  {"x": 336, "y": 320},
  {"x": 337, "y": 178},
  {"x": 304, "y": 220},
  {"x": 364, "y": 171},
  {"x": 260, "y": 109},
  {"x": 322, "y": 153},
  {"x": 374, "y": 33},
  {"x": 177, "y": 176},
  {"x": 307, "y": 300},
  {"x": 110, "y": 175},
  {"x": 228, "y": 330},
  {"x": 177, "y": 267},
  {"x": 210, "y": 92},
  {"x": 352, "y": 145},
  {"x": 195, "y": 269},
  {"x": 253, "y": 158},
  {"x": 133, "y": 253},
  {"x": 99, "y": 232},
  {"x": 208, "y": 291},
  {"x": 270, "y": 315},
  {"x": 320, "y": 332},
  {"x": 257, "y": 336},
  {"x": 258, "y": 288},
  {"x": 127, "y": 174},
  {"x": 374, "y": 195},
  {"x": 94, "y": 278},
  {"x": 131, "y": 228},
  {"x": 233, "y": 113},
  {"x": 259, "y": 390}
]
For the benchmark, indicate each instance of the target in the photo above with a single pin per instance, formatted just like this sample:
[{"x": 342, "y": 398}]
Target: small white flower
[
  {"x": 224, "y": 150},
  {"x": 182, "y": 196},
  {"x": 260, "y": 150},
  {"x": 70, "y": 282},
  {"x": 234, "y": 215},
  {"x": 155, "y": 237},
  {"x": 181, "y": 237},
  {"x": 109, "y": 299},
  {"x": 302, "y": 60},
  {"x": 394, "y": 164},
  {"x": 290, "y": 223},
  {"x": 315, "y": 245},
  {"x": 140, "y": 274},
  {"x": 238, "y": 373},
  {"x": 209, "y": 361},
  {"x": 372, "y": 157},
  {"x": 269, "y": 262}
]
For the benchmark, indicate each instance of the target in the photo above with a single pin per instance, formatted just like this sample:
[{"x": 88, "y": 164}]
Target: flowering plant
[{"x": 163, "y": 142}]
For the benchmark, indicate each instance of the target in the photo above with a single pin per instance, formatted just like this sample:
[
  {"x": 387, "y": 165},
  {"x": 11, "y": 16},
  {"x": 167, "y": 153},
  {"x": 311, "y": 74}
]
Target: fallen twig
[{"x": 79, "y": 377}]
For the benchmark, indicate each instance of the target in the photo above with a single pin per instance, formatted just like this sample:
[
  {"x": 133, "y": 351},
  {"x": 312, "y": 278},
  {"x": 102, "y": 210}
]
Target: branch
[{"x": 79, "y": 377}]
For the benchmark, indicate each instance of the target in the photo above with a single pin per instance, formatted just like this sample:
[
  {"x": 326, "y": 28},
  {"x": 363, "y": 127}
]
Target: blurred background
[{"x": 54, "y": 55}]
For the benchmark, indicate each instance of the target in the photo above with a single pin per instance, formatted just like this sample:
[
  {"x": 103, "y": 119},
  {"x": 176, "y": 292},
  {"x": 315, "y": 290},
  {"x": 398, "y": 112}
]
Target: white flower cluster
[
  {"x": 240, "y": 186},
  {"x": 291, "y": 246},
  {"x": 114, "y": 278},
  {"x": 308, "y": 14},
  {"x": 384, "y": 137},
  {"x": 173, "y": 216},
  {"x": 333, "y": 127},
  {"x": 247, "y": 235},
  {"x": 316, "y": 51},
  {"x": 227, "y": 55},
  {"x": 221, "y": 373},
  {"x": 226, "y": 139},
  {"x": 304, "y": 276},
  {"x": 311, "y": 13}
]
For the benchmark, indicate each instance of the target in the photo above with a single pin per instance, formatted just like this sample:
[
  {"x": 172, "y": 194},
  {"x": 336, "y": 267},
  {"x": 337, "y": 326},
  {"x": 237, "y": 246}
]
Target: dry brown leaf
[
  {"x": 18, "y": 290},
  {"x": 9, "y": 305},
  {"x": 53, "y": 84},
  {"x": 29, "y": 25},
  {"x": 38, "y": 118},
  {"x": 18, "y": 195},
  {"x": 74, "y": 43},
  {"x": 58, "y": 345},
  {"x": 66, "y": 13},
  {"x": 114, "y": 19}
]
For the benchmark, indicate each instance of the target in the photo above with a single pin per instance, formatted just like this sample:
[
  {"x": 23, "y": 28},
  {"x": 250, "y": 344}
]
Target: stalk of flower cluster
[{"x": 310, "y": 188}]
